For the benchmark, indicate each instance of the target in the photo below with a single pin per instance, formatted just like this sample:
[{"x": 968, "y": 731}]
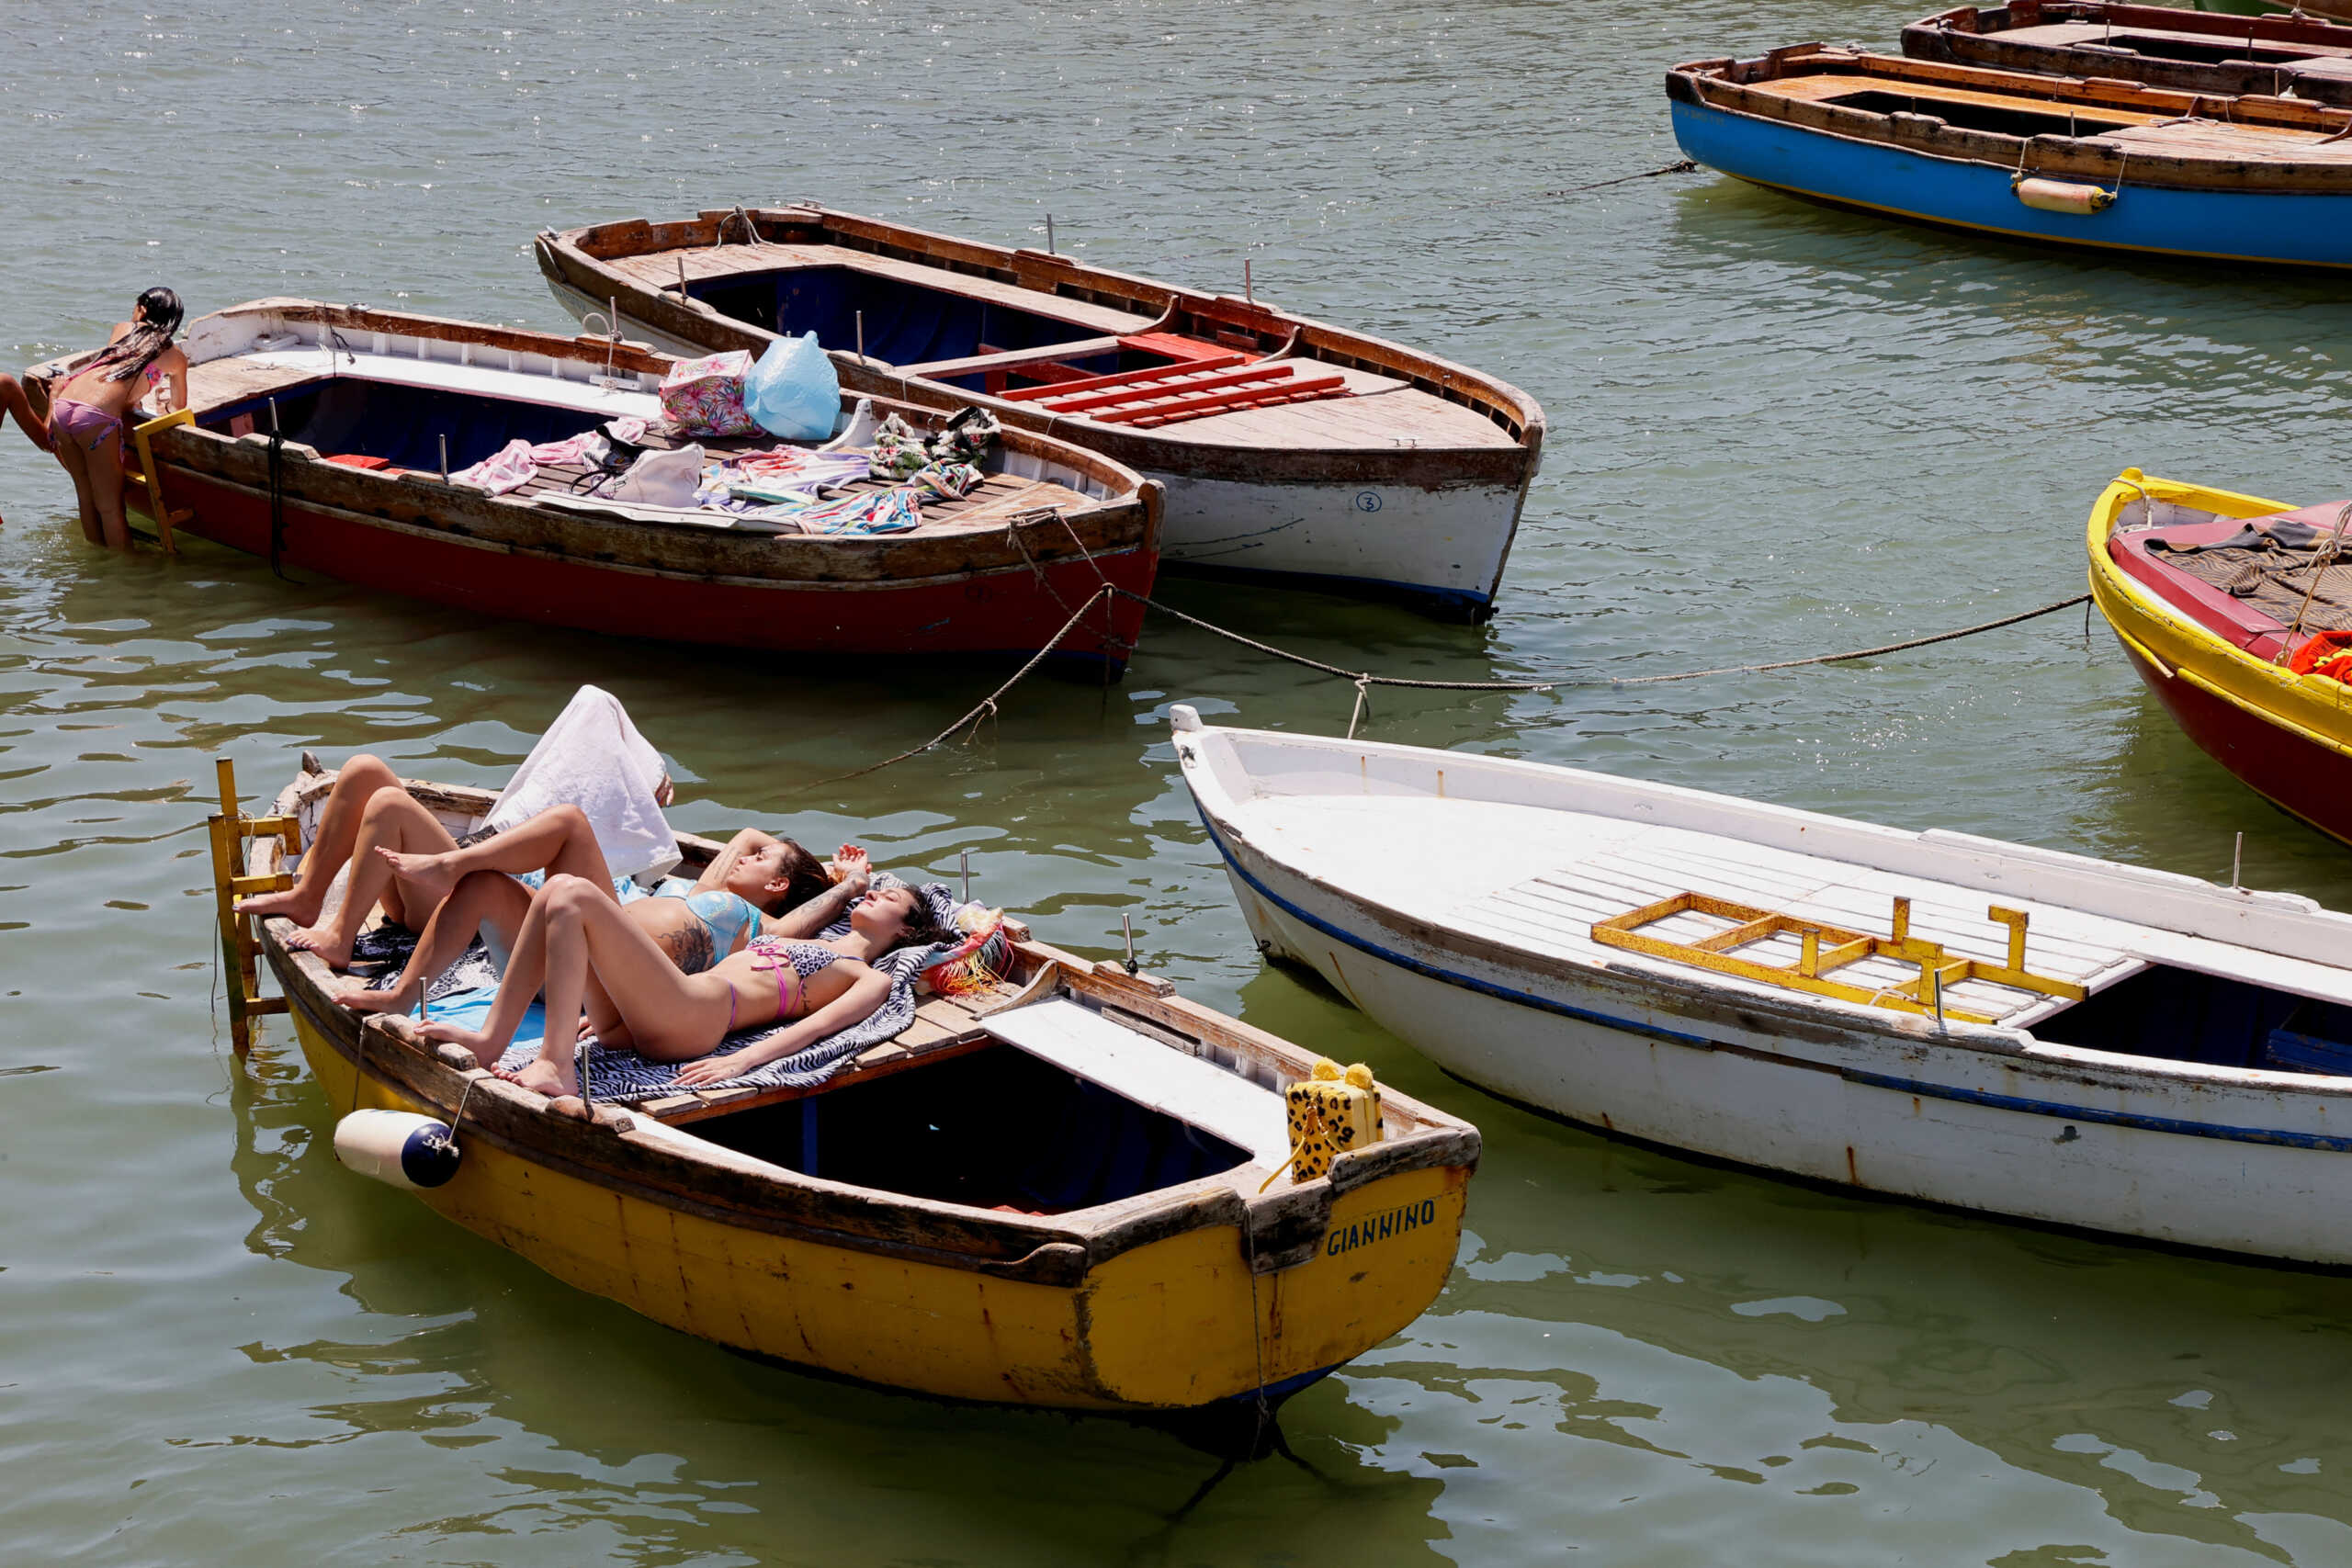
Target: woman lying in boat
[
  {"x": 574, "y": 933},
  {"x": 695, "y": 924},
  {"x": 88, "y": 404},
  {"x": 369, "y": 811}
]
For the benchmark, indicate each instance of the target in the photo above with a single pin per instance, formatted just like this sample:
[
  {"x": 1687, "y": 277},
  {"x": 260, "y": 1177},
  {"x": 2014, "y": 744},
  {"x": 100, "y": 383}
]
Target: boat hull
[
  {"x": 1160, "y": 1327},
  {"x": 1007, "y": 614},
  {"x": 2100, "y": 1147},
  {"x": 1430, "y": 529},
  {"x": 2282, "y": 735},
  {"x": 2270, "y": 228}
]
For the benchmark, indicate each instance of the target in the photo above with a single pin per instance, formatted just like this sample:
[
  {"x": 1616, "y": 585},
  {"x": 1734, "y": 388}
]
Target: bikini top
[
  {"x": 795, "y": 964},
  {"x": 727, "y": 915}
]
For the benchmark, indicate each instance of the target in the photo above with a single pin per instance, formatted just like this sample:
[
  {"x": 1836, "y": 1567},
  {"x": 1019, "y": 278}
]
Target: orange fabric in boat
[
  {"x": 358, "y": 460},
  {"x": 2324, "y": 653}
]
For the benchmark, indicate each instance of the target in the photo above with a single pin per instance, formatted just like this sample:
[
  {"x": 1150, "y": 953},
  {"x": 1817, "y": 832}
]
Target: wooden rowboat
[
  {"x": 367, "y": 403},
  {"x": 1288, "y": 448},
  {"x": 1047, "y": 1193},
  {"x": 2215, "y": 633},
  {"x": 2107, "y": 165},
  {"x": 2160, "y": 45},
  {"x": 1926, "y": 1015}
]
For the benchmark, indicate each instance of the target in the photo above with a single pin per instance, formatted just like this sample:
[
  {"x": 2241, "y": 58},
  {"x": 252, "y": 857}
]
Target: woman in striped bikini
[{"x": 574, "y": 934}]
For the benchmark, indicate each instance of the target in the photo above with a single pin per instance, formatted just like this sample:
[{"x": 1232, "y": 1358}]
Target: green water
[{"x": 1775, "y": 431}]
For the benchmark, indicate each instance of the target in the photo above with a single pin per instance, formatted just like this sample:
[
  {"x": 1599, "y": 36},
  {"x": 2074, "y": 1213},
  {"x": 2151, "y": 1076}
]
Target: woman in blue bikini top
[{"x": 758, "y": 886}]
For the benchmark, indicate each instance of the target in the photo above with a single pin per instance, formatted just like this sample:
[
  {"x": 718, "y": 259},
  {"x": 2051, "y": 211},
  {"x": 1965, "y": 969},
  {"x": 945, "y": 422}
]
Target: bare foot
[
  {"x": 332, "y": 949},
  {"x": 355, "y": 994},
  {"x": 423, "y": 874},
  {"x": 543, "y": 1077},
  {"x": 473, "y": 1040},
  {"x": 290, "y": 904}
]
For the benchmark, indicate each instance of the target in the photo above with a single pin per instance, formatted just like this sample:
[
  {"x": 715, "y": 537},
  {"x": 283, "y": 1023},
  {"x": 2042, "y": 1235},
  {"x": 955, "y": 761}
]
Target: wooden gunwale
[
  {"x": 583, "y": 260},
  {"x": 422, "y": 504},
  {"x": 1775, "y": 87},
  {"x": 718, "y": 1184}
]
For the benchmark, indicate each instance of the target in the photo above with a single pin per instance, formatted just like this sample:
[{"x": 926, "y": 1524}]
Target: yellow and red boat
[
  {"x": 1066, "y": 1189},
  {"x": 2237, "y": 611}
]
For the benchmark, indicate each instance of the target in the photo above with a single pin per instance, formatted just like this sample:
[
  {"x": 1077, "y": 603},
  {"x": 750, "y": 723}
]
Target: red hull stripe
[{"x": 1007, "y": 612}]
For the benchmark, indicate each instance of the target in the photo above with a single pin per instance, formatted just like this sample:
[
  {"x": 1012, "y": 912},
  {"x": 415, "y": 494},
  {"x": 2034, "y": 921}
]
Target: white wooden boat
[
  {"x": 1288, "y": 448},
  {"x": 2119, "y": 1049}
]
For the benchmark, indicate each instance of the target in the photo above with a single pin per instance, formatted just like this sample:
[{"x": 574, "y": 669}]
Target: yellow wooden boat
[
  {"x": 2216, "y": 631},
  {"x": 916, "y": 1256}
]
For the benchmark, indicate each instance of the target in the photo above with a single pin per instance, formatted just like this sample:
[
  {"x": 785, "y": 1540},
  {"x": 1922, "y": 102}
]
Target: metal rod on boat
[
  {"x": 861, "y": 337},
  {"x": 444, "y": 458},
  {"x": 1937, "y": 984},
  {"x": 273, "y": 416},
  {"x": 1247, "y": 292},
  {"x": 1049, "y": 234},
  {"x": 1127, "y": 926},
  {"x": 964, "y": 859},
  {"x": 2237, "y": 866}
]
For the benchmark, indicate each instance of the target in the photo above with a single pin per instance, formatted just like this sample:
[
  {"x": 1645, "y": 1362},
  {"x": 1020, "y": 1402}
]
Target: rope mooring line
[
  {"x": 1364, "y": 680},
  {"x": 1679, "y": 166},
  {"x": 2050, "y": 609},
  {"x": 988, "y": 705}
]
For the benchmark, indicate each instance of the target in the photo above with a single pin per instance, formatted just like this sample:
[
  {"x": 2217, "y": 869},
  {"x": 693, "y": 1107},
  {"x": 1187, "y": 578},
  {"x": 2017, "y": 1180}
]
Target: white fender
[
  {"x": 2061, "y": 196},
  {"x": 399, "y": 1148}
]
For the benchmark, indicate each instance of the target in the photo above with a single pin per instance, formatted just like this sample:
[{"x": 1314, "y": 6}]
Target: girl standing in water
[{"x": 89, "y": 401}]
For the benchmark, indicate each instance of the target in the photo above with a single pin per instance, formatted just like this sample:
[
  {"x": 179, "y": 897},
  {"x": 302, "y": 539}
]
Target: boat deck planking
[
  {"x": 2161, "y": 127},
  {"x": 1382, "y": 412},
  {"x": 215, "y": 382},
  {"x": 1473, "y": 874}
]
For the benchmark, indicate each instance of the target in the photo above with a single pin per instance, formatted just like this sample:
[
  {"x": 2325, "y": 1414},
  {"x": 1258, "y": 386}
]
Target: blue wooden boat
[{"x": 2107, "y": 164}]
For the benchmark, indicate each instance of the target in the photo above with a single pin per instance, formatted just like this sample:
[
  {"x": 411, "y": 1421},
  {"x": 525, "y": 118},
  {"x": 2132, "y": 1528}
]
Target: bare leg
[
  {"x": 76, "y": 463},
  {"x": 356, "y": 784},
  {"x": 485, "y": 897},
  {"x": 391, "y": 819},
  {"x": 105, "y": 491},
  {"x": 571, "y": 927},
  {"x": 558, "y": 841},
  {"x": 33, "y": 421}
]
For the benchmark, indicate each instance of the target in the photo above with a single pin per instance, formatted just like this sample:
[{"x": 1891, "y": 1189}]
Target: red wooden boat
[
  {"x": 2234, "y": 611},
  {"x": 372, "y": 409}
]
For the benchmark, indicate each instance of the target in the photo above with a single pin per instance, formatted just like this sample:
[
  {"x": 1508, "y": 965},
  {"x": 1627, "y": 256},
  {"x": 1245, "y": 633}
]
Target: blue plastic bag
[{"x": 793, "y": 392}]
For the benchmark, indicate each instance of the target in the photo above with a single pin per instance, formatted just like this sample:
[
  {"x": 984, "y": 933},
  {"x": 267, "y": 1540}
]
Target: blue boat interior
[
  {"x": 903, "y": 323},
  {"x": 996, "y": 1129},
  {"x": 2179, "y": 1015},
  {"x": 400, "y": 426}
]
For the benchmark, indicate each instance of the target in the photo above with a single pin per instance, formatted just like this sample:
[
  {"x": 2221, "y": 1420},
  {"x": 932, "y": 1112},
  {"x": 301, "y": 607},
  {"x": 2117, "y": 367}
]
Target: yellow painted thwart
[{"x": 1162, "y": 1326}]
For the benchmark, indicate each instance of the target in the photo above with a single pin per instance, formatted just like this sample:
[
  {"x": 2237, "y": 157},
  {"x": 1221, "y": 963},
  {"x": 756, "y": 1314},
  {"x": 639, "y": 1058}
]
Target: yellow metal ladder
[
  {"x": 240, "y": 947},
  {"x": 148, "y": 475}
]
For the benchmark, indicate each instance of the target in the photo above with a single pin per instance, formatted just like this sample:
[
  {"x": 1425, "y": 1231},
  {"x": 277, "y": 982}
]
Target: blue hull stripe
[
  {"x": 2320, "y": 1141},
  {"x": 2272, "y": 227}
]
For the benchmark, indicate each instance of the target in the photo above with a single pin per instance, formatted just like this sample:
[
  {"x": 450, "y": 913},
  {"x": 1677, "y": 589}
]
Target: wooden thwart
[{"x": 1826, "y": 948}]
